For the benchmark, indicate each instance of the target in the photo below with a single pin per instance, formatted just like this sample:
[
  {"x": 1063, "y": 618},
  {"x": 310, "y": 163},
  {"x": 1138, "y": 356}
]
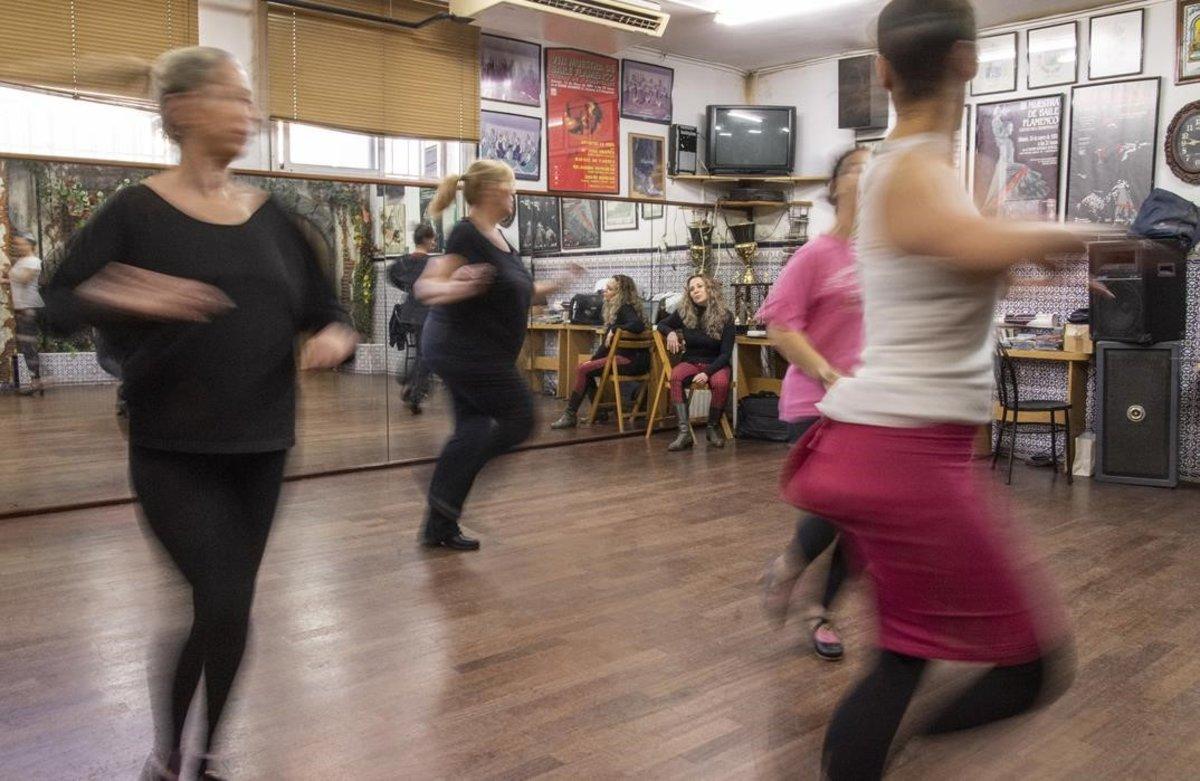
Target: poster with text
[
  {"x": 1114, "y": 136},
  {"x": 583, "y": 117},
  {"x": 1017, "y": 158}
]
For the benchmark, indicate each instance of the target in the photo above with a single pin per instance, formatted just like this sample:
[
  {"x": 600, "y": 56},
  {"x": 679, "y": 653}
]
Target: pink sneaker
[{"x": 825, "y": 640}]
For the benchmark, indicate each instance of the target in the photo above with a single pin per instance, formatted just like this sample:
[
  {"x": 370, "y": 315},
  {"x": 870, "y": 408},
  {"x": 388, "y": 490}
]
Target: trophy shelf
[
  {"x": 713, "y": 178},
  {"x": 762, "y": 204}
]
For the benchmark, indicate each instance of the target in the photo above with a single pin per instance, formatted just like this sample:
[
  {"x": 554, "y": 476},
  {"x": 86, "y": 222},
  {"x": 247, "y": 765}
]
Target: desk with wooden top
[
  {"x": 1077, "y": 369},
  {"x": 573, "y": 340}
]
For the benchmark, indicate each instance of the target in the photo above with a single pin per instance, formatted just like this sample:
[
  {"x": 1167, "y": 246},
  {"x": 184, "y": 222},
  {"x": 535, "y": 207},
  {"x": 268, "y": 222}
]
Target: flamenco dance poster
[{"x": 583, "y": 110}]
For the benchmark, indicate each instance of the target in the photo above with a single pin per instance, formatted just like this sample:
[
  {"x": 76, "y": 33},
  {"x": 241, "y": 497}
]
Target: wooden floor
[
  {"x": 66, "y": 448},
  {"x": 609, "y": 628}
]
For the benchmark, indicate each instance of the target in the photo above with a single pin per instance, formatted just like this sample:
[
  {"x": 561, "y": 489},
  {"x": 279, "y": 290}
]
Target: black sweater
[
  {"x": 225, "y": 386},
  {"x": 700, "y": 348},
  {"x": 404, "y": 273},
  {"x": 629, "y": 319}
]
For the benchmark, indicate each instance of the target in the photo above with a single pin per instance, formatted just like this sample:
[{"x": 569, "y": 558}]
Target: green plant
[{"x": 362, "y": 292}]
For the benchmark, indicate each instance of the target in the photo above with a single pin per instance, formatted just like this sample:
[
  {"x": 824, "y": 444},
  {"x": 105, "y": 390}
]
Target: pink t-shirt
[{"x": 817, "y": 293}]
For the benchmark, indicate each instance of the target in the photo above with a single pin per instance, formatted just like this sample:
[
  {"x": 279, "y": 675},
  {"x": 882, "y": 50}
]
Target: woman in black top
[
  {"x": 404, "y": 274},
  {"x": 623, "y": 311},
  {"x": 202, "y": 284},
  {"x": 480, "y": 293},
  {"x": 702, "y": 330}
]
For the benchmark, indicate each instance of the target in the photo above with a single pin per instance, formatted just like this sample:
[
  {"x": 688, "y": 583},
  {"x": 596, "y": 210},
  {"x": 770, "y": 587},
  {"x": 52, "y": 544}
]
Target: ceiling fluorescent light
[{"x": 736, "y": 12}]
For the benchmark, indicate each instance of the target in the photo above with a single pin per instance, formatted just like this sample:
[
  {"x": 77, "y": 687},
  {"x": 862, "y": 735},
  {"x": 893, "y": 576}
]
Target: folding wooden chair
[
  {"x": 662, "y": 369},
  {"x": 612, "y": 378}
]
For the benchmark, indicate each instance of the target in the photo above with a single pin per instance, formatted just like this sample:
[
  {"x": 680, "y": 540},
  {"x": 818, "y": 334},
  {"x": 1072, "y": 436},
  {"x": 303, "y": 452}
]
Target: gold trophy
[
  {"x": 700, "y": 231},
  {"x": 746, "y": 247}
]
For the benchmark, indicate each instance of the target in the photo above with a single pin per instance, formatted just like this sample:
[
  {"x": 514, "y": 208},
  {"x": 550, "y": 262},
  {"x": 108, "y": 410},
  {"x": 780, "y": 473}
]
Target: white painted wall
[
  {"x": 231, "y": 25},
  {"x": 812, "y": 88}
]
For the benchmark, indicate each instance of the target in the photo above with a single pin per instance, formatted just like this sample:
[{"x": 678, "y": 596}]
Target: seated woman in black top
[
  {"x": 403, "y": 274},
  {"x": 702, "y": 329},
  {"x": 201, "y": 284},
  {"x": 480, "y": 293},
  {"x": 622, "y": 311}
]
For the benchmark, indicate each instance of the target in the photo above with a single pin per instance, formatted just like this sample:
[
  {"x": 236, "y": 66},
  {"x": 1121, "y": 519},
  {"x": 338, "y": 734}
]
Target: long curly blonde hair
[
  {"x": 716, "y": 314},
  {"x": 627, "y": 293}
]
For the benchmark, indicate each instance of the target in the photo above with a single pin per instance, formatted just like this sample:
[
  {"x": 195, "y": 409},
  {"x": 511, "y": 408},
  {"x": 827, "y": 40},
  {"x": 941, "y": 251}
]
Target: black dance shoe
[{"x": 455, "y": 541}]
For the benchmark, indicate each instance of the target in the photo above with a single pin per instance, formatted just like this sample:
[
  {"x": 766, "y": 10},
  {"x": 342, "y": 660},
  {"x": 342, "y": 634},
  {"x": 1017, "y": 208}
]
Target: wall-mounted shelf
[
  {"x": 713, "y": 179},
  {"x": 761, "y": 204}
]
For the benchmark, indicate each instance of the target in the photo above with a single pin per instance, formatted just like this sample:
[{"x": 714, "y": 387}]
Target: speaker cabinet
[
  {"x": 1148, "y": 282},
  {"x": 684, "y": 141},
  {"x": 1137, "y": 413},
  {"x": 862, "y": 100}
]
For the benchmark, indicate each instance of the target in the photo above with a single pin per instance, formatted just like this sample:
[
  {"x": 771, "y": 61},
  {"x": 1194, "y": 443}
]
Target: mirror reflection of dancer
[
  {"x": 404, "y": 274},
  {"x": 24, "y": 276},
  {"x": 701, "y": 330},
  {"x": 479, "y": 293},
  {"x": 889, "y": 464},
  {"x": 623, "y": 311},
  {"x": 204, "y": 284},
  {"x": 814, "y": 319}
]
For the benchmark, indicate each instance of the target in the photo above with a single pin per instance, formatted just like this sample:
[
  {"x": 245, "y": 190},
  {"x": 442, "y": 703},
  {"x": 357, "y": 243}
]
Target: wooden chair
[
  {"x": 662, "y": 392},
  {"x": 1012, "y": 403},
  {"x": 612, "y": 378}
]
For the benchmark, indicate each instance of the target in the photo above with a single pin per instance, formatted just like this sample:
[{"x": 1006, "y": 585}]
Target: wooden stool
[
  {"x": 663, "y": 391},
  {"x": 611, "y": 377}
]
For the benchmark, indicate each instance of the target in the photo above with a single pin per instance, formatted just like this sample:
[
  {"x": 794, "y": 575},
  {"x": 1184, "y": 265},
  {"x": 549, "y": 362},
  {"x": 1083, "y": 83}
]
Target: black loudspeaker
[
  {"x": 1137, "y": 413},
  {"x": 1148, "y": 282},
  {"x": 862, "y": 100},
  {"x": 684, "y": 141}
]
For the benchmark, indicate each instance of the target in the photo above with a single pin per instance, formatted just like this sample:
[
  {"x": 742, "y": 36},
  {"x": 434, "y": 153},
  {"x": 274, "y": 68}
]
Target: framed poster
[
  {"x": 620, "y": 216},
  {"x": 584, "y": 126},
  {"x": 514, "y": 139},
  {"x": 1018, "y": 147},
  {"x": 1187, "y": 41},
  {"x": 539, "y": 224},
  {"x": 425, "y": 197},
  {"x": 647, "y": 166},
  {"x": 1110, "y": 163},
  {"x": 653, "y": 211},
  {"x": 580, "y": 221},
  {"x": 510, "y": 71},
  {"x": 997, "y": 65},
  {"x": 1053, "y": 55},
  {"x": 647, "y": 92},
  {"x": 1115, "y": 45}
]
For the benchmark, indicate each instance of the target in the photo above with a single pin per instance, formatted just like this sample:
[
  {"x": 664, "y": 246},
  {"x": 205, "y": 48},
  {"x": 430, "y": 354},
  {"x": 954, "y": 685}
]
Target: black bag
[
  {"x": 1168, "y": 218},
  {"x": 587, "y": 309},
  {"x": 398, "y": 328},
  {"x": 758, "y": 418}
]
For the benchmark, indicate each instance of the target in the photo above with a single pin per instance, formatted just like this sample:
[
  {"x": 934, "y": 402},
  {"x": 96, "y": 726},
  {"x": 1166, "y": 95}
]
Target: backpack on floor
[{"x": 758, "y": 418}]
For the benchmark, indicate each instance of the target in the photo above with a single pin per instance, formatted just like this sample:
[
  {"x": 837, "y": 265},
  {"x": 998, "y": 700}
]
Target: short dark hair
[
  {"x": 837, "y": 170},
  {"x": 423, "y": 233},
  {"x": 916, "y": 36}
]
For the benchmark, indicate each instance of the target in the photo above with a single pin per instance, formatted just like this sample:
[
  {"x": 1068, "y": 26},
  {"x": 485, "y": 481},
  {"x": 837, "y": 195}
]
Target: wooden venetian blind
[
  {"x": 90, "y": 46},
  {"x": 355, "y": 75}
]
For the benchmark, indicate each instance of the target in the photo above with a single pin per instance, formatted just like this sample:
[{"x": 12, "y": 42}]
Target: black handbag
[
  {"x": 1168, "y": 218},
  {"x": 587, "y": 309},
  {"x": 758, "y": 418}
]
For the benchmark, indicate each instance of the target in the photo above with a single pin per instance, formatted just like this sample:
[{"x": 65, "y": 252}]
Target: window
[
  {"x": 317, "y": 147},
  {"x": 40, "y": 123},
  {"x": 301, "y": 147}
]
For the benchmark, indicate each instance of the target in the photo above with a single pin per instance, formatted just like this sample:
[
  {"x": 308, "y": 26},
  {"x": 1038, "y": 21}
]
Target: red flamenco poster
[{"x": 583, "y": 113}]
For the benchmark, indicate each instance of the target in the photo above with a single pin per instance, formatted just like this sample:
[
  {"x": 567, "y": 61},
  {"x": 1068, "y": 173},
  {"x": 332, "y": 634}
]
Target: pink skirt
[{"x": 947, "y": 579}]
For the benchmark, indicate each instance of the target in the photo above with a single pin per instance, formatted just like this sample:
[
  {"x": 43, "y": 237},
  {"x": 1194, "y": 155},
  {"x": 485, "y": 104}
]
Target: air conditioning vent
[{"x": 623, "y": 15}]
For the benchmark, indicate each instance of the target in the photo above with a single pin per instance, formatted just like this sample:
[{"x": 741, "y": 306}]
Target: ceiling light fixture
[{"x": 737, "y": 12}]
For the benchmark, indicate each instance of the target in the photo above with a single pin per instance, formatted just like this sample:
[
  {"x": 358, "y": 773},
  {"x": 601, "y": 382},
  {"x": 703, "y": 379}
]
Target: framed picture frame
[
  {"x": 580, "y": 221},
  {"x": 1018, "y": 157},
  {"x": 1116, "y": 44},
  {"x": 539, "y": 224},
  {"x": 1187, "y": 41},
  {"x": 583, "y": 131},
  {"x": 510, "y": 71},
  {"x": 647, "y": 166},
  {"x": 647, "y": 92},
  {"x": 1103, "y": 187},
  {"x": 997, "y": 65},
  {"x": 1052, "y": 55},
  {"x": 653, "y": 211},
  {"x": 620, "y": 216},
  {"x": 515, "y": 139}
]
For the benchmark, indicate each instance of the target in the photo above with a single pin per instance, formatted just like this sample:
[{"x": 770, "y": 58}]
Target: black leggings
[
  {"x": 814, "y": 535},
  {"x": 493, "y": 413},
  {"x": 212, "y": 514},
  {"x": 863, "y": 727},
  {"x": 27, "y": 340}
]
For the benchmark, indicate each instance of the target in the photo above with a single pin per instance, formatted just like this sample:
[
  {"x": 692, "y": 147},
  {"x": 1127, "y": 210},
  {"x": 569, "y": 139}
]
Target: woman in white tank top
[{"x": 889, "y": 464}]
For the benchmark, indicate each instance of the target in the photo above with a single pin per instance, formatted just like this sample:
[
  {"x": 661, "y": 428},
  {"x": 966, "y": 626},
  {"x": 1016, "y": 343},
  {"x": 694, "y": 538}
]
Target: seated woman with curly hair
[
  {"x": 622, "y": 311},
  {"x": 702, "y": 330}
]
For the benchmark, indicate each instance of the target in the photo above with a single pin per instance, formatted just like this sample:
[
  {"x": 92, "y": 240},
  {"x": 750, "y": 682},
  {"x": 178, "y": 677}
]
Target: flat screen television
[{"x": 751, "y": 139}]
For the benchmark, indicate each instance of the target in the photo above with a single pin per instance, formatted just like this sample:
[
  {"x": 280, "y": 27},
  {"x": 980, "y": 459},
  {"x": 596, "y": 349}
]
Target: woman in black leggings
[
  {"x": 480, "y": 293},
  {"x": 202, "y": 284}
]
